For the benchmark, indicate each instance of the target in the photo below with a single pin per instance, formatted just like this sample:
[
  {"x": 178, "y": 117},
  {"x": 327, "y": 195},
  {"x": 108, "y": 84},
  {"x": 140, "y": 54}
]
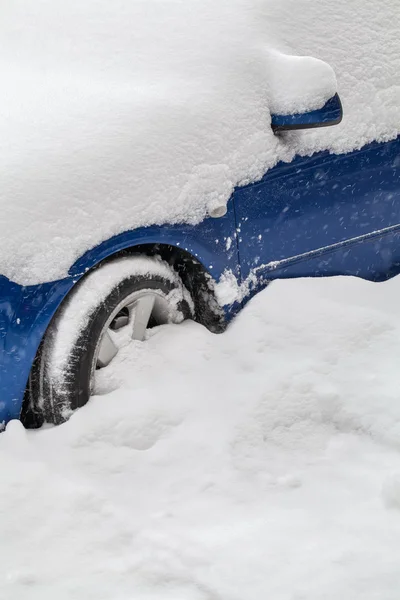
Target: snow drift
[
  {"x": 261, "y": 463},
  {"x": 117, "y": 115}
]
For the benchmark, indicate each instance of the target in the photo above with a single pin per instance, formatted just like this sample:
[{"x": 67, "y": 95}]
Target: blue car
[{"x": 318, "y": 216}]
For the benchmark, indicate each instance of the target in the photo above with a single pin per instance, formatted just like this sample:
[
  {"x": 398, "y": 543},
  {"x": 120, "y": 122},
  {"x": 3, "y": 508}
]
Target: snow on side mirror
[
  {"x": 302, "y": 92},
  {"x": 330, "y": 114}
]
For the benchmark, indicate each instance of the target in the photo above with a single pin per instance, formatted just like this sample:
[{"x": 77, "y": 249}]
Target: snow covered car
[
  {"x": 162, "y": 161},
  {"x": 316, "y": 216}
]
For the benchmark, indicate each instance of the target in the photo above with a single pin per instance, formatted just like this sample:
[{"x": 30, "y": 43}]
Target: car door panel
[{"x": 323, "y": 215}]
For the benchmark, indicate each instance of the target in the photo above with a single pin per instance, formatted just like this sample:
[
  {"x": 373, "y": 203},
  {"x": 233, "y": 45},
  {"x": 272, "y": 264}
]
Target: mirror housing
[{"x": 330, "y": 114}]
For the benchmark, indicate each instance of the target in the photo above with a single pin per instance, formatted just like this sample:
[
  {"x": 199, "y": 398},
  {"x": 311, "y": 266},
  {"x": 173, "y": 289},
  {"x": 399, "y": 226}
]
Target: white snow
[
  {"x": 228, "y": 291},
  {"x": 121, "y": 114},
  {"x": 260, "y": 463},
  {"x": 291, "y": 78}
]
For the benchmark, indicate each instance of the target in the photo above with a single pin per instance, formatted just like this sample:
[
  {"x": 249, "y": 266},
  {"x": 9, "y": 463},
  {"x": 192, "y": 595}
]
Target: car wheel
[{"x": 111, "y": 306}]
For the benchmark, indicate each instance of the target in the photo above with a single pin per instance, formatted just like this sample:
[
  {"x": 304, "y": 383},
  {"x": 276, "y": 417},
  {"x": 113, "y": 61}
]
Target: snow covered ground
[{"x": 261, "y": 463}]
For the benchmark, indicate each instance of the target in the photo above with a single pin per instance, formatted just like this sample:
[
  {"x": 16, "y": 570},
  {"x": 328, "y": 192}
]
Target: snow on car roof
[{"x": 137, "y": 112}]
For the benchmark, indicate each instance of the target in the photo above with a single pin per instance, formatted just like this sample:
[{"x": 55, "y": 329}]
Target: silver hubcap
[{"x": 128, "y": 322}]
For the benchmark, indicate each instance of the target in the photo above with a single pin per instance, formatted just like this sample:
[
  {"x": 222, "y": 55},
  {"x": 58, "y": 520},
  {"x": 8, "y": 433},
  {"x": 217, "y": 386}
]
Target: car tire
[{"x": 134, "y": 293}]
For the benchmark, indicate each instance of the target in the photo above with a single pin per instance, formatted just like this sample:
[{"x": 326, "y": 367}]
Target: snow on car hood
[{"x": 119, "y": 115}]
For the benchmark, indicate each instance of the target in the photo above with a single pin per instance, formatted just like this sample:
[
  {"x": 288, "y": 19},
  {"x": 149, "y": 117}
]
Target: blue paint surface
[
  {"x": 317, "y": 216},
  {"x": 339, "y": 211}
]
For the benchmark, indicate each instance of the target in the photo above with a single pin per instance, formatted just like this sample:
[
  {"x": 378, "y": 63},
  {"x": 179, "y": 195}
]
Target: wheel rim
[{"x": 129, "y": 321}]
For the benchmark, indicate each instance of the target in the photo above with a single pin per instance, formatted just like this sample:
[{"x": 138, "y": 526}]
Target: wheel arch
[
  {"x": 196, "y": 277},
  {"x": 200, "y": 255},
  {"x": 178, "y": 246}
]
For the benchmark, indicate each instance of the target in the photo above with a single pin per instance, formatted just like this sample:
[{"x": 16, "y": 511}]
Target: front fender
[{"x": 212, "y": 243}]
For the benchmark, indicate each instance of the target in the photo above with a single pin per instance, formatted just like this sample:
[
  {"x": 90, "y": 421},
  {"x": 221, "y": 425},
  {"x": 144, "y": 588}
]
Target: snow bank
[
  {"x": 261, "y": 463},
  {"x": 116, "y": 115}
]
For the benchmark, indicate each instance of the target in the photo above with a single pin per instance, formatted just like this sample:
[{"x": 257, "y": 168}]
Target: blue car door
[{"x": 323, "y": 215}]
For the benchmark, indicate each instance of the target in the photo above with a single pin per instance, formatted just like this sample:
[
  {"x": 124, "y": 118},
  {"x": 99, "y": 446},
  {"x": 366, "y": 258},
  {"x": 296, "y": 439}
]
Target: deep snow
[
  {"x": 260, "y": 463},
  {"x": 120, "y": 114}
]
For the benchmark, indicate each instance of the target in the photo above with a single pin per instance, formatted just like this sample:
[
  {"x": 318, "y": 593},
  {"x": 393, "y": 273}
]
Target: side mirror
[{"x": 330, "y": 114}]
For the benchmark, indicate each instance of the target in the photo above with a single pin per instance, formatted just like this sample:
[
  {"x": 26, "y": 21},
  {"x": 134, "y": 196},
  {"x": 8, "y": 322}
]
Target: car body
[{"x": 322, "y": 215}]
